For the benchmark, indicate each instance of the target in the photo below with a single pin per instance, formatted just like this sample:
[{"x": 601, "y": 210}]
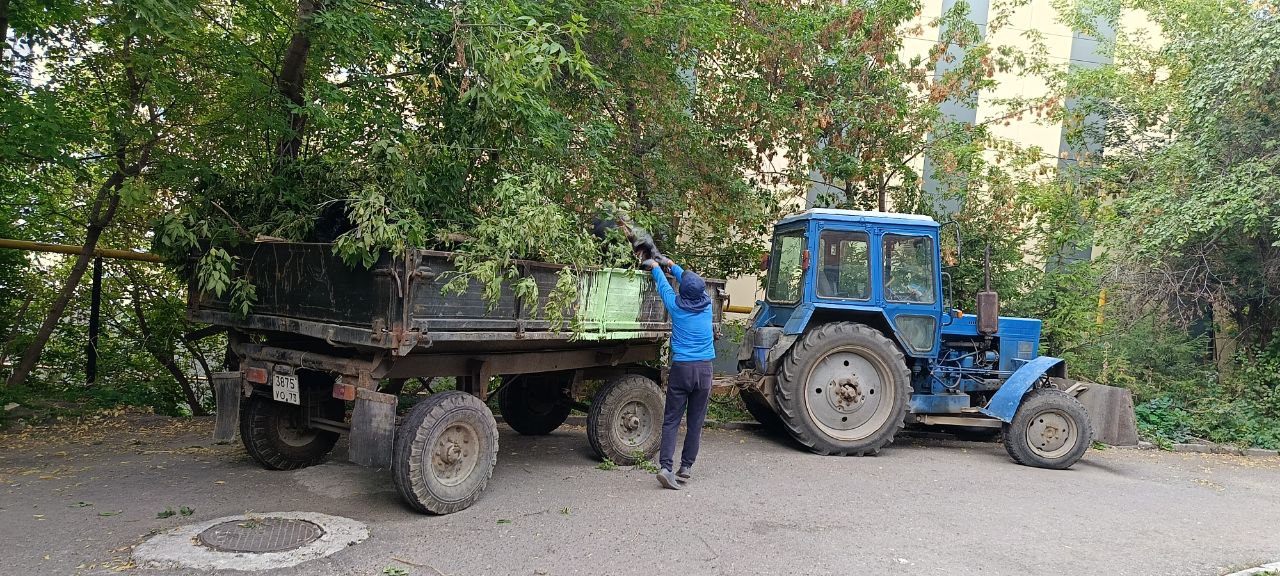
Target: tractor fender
[
  {"x": 1004, "y": 403},
  {"x": 780, "y": 349}
]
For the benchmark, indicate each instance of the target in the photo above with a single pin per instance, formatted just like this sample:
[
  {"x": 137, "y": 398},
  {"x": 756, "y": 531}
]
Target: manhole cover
[{"x": 260, "y": 535}]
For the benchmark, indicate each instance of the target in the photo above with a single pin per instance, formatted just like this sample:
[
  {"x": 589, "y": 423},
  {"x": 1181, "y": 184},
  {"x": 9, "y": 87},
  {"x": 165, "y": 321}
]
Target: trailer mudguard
[{"x": 1004, "y": 403}]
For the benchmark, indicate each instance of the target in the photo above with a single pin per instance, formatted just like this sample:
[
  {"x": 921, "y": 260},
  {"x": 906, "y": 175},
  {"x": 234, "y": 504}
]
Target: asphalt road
[{"x": 75, "y": 498}]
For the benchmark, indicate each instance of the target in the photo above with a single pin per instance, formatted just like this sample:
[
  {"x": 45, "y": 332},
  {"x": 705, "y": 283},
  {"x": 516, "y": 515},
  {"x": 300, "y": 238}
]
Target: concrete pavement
[{"x": 76, "y": 498}]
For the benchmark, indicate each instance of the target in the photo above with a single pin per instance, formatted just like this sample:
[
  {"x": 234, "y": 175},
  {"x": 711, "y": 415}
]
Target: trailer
[{"x": 327, "y": 350}]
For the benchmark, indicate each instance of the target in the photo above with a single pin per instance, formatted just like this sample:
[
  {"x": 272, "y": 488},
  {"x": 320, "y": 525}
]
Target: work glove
[{"x": 649, "y": 264}]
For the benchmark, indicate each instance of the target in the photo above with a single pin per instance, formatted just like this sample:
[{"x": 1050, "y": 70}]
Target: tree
[{"x": 1192, "y": 168}]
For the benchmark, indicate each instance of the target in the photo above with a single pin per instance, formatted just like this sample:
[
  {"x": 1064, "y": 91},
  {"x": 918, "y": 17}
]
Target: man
[{"x": 689, "y": 380}]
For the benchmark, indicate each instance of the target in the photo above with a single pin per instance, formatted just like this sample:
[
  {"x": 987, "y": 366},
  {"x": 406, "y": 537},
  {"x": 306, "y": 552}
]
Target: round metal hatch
[{"x": 260, "y": 535}]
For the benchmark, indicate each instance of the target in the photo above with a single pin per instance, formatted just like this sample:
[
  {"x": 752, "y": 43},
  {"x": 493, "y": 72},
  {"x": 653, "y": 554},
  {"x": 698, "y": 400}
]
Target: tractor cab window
[
  {"x": 844, "y": 269},
  {"x": 786, "y": 271},
  {"x": 908, "y": 269}
]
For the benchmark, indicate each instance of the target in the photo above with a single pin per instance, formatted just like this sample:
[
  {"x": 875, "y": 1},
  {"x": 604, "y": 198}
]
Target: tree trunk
[
  {"x": 17, "y": 321},
  {"x": 164, "y": 356},
  {"x": 4, "y": 31},
  {"x": 199, "y": 356},
  {"x": 104, "y": 210},
  {"x": 643, "y": 196},
  {"x": 1225, "y": 341},
  {"x": 188, "y": 391},
  {"x": 290, "y": 81}
]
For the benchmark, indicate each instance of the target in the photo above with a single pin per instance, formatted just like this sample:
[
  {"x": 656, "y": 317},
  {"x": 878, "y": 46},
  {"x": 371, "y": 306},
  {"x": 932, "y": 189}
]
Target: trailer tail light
[
  {"x": 343, "y": 391},
  {"x": 255, "y": 375}
]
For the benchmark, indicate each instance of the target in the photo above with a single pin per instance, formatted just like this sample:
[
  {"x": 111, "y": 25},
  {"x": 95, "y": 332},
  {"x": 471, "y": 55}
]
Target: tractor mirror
[
  {"x": 764, "y": 262},
  {"x": 804, "y": 260}
]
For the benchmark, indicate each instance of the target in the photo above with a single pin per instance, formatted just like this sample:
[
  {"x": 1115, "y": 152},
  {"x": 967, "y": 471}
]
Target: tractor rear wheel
[
  {"x": 843, "y": 390},
  {"x": 1051, "y": 429},
  {"x": 760, "y": 409}
]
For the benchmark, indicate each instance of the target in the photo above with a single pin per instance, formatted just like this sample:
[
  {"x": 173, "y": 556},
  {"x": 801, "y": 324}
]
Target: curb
[
  {"x": 1220, "y": 449},
  {"x": 1271, "y": 568},
  {"x": 1205, "y": 449}
]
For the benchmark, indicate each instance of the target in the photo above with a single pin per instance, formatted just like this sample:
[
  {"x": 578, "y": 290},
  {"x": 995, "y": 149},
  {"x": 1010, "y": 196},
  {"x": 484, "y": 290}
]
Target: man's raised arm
[{"x": 660, "y": 280}]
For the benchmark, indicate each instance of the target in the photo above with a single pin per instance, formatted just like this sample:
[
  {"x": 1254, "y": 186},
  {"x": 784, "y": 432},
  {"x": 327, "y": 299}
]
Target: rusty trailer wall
[{"x": 398, "y": 304}]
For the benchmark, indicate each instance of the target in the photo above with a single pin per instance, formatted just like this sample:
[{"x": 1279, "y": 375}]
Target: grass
[
  {"x": 643, "y": 463},
  {"x": 728, "y": 408}
]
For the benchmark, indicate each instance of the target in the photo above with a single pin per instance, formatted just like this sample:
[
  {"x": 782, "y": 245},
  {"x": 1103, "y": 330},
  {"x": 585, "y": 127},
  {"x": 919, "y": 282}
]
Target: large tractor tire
[
  {"x": 760, "y": 409},
  {"x": 274, "y": 436},
  {"x": 625, "y": 422},
  {"x": 534, "y": 404},
  {"x": 445, "y": 452},
  {"x": 843, "y": 390},
  {"x": 1051, "y": 429}
]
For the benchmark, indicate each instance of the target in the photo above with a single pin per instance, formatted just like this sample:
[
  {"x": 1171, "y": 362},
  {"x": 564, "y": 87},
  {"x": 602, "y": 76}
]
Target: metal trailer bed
[{"x": 321, "y": 334}]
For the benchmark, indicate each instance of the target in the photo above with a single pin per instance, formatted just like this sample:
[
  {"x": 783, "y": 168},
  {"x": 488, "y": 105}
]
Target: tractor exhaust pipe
[{"x": 988, "y": 300}]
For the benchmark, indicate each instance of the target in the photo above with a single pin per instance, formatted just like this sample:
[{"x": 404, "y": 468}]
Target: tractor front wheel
[
  {"x": 843, "y": 390},
  {"x": 1050, "y": 430}
]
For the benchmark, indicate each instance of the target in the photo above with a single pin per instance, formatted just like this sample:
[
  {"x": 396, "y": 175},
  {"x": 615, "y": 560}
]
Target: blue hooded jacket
[{"x": 692, "y": 339}]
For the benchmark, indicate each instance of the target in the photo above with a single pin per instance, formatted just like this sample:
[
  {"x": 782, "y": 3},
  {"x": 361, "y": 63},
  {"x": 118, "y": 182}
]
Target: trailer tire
[
  {"x": 445, "y": 452},
  {"x": 532, "y": 404},
  {"x": 272, "y": 435},
  {"x": 624, "y": 425},
  {"x": 817, "y": 413},
  {"x": 1051, "y": 429}
]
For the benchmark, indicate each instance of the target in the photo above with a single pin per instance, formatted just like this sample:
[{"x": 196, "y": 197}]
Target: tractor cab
[{"x": 881, "y": 269}]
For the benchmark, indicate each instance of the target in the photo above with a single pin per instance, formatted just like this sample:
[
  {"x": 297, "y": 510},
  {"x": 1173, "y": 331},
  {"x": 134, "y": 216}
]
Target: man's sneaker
[
  {"x": 684, "y": 473},
  {"x": 668, "y": 480}
]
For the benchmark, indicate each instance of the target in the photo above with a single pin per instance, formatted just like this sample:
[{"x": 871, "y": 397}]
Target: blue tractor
[{"x": 853, "y": 341}]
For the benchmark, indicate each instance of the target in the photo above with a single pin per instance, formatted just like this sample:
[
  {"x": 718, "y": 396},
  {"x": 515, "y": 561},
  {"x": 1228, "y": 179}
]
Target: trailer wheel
[
  {"x": 533, "y": 404},
  {"x": 625, "y": 422},
  {"x": 445, "y": 452},
  {"x": 843, "y": 390},
  {"x": 1051, "y": 429},
  {"x": 273, "y": 434},
  {"x": 760, "y": 409}
]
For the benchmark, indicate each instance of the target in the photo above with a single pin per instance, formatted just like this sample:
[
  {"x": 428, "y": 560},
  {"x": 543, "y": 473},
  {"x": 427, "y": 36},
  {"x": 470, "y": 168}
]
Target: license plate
[{"x": 284, "y": 388}]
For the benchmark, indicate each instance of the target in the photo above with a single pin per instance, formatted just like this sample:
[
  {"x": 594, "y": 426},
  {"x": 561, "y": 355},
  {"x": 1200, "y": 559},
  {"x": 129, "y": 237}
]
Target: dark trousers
[{"x": 688, "y": 387}]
